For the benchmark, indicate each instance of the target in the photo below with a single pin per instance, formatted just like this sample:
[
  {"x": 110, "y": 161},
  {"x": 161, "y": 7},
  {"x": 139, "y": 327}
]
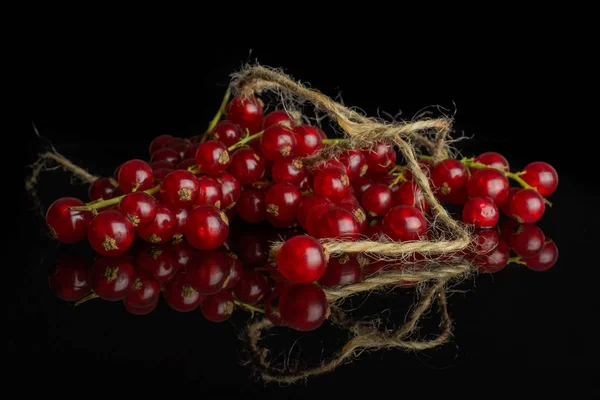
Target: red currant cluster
[{"x": 249, "y": 166}]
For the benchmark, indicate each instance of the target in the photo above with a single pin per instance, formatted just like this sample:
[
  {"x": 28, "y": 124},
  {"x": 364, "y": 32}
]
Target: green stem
[
  {"x": 94, "y": 205},
  {"x": 248, "y": 307},
  {"x": 245, "y": 140},
  {"x": 86, "y": 298},
  {"x": 426, "y": 158},
  {"x": 333, "y": 141},
  {"x": 399, "y": 178},
  {"x": 217, "y": 117},
  {"x": 516, "y": 176},
  {"x": 516, "y": 260}
]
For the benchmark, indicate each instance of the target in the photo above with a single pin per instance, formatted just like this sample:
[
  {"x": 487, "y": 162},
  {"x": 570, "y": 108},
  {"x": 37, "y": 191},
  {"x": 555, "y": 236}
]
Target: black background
[{"x": 101, "y": 104}]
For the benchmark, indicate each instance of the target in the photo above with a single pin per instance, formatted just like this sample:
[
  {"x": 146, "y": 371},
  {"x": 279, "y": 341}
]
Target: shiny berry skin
[
  {"x": 139, "y": 208},
  {"x": 377, "y": 200},
  {"x": 332, "y": 183},
  {"x": 158, "y": 260},
  {"x": 252, "y": 287},
  {"x": 308, "y": 140},
  {"x": 186, "y": 163},
  {"x": 181, "y": 296},
  {"x": 541, "y": 176},
  {"x": 484, "y": 241},
  {"x": 161, "y": 173},
  {"x": 306, "y": 185},
  {"x": 135, "y": 175},
  {"x": 545, "y": 259},
  {"x": 361, "y": 184},
  {"x": 251, "y": 206},
  {"x": 110, "y": 233},
  {"x": 162, "y": 229},
  {"x": 209, "y": 192},
  {"x": 326, "y": 165},
  {"x": 181, "y": 217},
  {"x": 179, "y": 145},
  {"x": 183, "y": 253},
  {"x": 190, "y": 153},
  {"x": 235, "y": 272},
  {"x": 162, "y": 165},
  {"x": 358, "y": 212},
  {"x": 310, "y": 206},
  {"x": 338, "y": 223},
  {"x": 69, "y": 281},
  {"x": 228, "y": 133},
  {"x": 302, "y": 259},
  {"x": 481, "y": 212},
  {"x": 488, "y": 182},
  {"x": 278, "y": 117},
  {"x": 101, "y": 188},
  {"x": 145, "y": 290},
  {"x": 111, "y": 278},
  {"x": 303, "y": 306},
  {"x": 282, "y": 201},
  {"x": 409, "y": 194},
  {"x": 65, "y": 225},
  {"x": 505, "y": 205},
  {"x": 381, "y": 157},
  {"x": 179, "y": 189},
  {"x": 404, "y": 223},
  {"x": 527, "y": 206},
  {"x": 158, "y": 143},
  {"x": 218, "y": 307},
  {"x": 208, "y": 271},
  {"x": 494, "y": 160},
  {"x": 246, "y": 111},
  {"x": 247, "y": 166},
  {"x": 341, "y": 272},
  {"x": 139, "y": 310},
  {"x": 448, "y": 177},
  {"x": 527, "y": 240},
  {"x": 288, "y": 171},
  {"x": 212, "y": 157},
  {"x": 206, "y": 228},
  {"x": 165, "y": 154},
  {"x": 277, "y": 142},
  {"x": 495, "y": 260},
  {"x": 281, "y": 224},
  {"x": 230, "y": 188},
  {"x": 349, "y": 198},
  {"x": 355, "y": 163}
]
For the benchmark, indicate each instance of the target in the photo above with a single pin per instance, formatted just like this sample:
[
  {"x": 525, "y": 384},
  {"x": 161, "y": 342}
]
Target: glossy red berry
[
  {"x": 377, "y": 200},
  {"x": 481, "y": 212},
  {"x": 181, "y": 296},
  {"x": 281, "y": 224},
  {"x": 65, "y": 225},
  {"x": 252, "y": 287},
  {"x": 69, "y": 281},
  {"x": 208, "y": 271},
  {"x": 310, "y": 206},
  {"x": 247, "y": 166},
  {"x": 303, "y": 306},
  {"x": 404, "y": 223},
  {"x": 541, "y": 176},
  {"x": 277, "y": 142},
  {"x": 158, "y": 260},
  {"x": 361, "y": 184},
  {"x": 139, "y": 208},
  {"x": 495, "y": 260},
  {"x": 282, "y": 201},
  {"x": 488, "y": 182},
  {"x": 101, "y": 188},
  {"x": 162, "y": 229},
  {"x": 158, "y": 143},
  {"x": 288, "y": 171},
  {"x": 228, "y": 133},
  {"x": 218, "y": 307},
  {"x": 302, "y": 259},
  {"x": 278, "y": 117},
  {"x": 545, "y": 259},
  {"x": 349, "y": 198},
  {"x": 207, "y": 227},
  {"x": 235, "y": 271},
  {"x": 246, "y": 111},
  {"x": 179, "y": 145},
  {"x": 251, "y": 206},
  {"x": 505, "y": 205},
  {"x": 165, "y": 154},
  {"x": 527, "y": 240},
  {"x": 135, "y": 175},
  {"x": 112, "y": 278},
  {"x": 306, "y": 185},
  {"x": 338, "y": 223},
  {"x": 145, "y": 290},
  {"x": 527, "y": 206},
  {"x": 139, "y": 310},
  {"x": 341, "y": 272},
  {"x": 161, "y": 173},
  {"x": 186, "y": 163},
  {"x": 494, "y": 160},
  {"x": 355, "y": 163},
  {"x": 410, "y": 194},
  {"x": 212, "y": 157},
  {"x": 162, "y": 165},
  {"x": 210, "y": 192},
  {"x": 331, "y": 183},
  {"x": 333, "y": 163},
  {"x": 110, "y": 233},
  {"x": 448, "y": 177},
  {"x": 179, "y": 189},
  {"x": 484, "y": 241},
  {"x": 380, "y": 157},
  {"x": 308, "y": 140},
  {"x": 190, "y": 153},
  {"x": 230, "y": 188},
  {"x": 358, "y": 212}
]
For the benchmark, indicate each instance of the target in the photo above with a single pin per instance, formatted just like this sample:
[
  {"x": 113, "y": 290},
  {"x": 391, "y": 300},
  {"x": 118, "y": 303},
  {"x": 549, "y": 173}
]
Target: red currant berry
[
  {"x": 212, "y": 157},
  {"x": 159, "y": 261},
  {"x": 181, "y": 296},
  {"x": 139, "y": 310},
  {"x": 208, "y": 271},
  {"x": 306, "y": 185},
  {"x": 382, "y": 177},
  {"x": 206, "y": 228},
  {"x": 139, "y": 208},
  {"x": 65, "y": 225},
  {"x": 179, "y": 189},
  {"x": 425, "y": 167},
  {"x": 288, "y": 171},
  {"x": 145, "y": 290},
  {"x": 190, "y": 153},
  {"x": 231, "y": 189},
  {"x": 495, "y": 260},
  {"x": 101, "y": 188},
  {"x": 545, "y": 259},
  {"x": 381, "y": 157},
  {"x": 361, "y": 184},
  {"x": 328, "y": 164},
  {"x": 484, "y": 241},
  {"x": 158, "y": 143},
  {"x": 303, "y": 307},
  {"x": 165, "y": 154},
  {"x": 179, "y": 145},
  {"x": 209, "y": 192},
  {"x": 135, "y": 175},
  {"x": 358, "y": 212},
  {"x": 403, "y": 223},
  {"x": 338, "y": 223},
  {"x": 247, "y": 166},
  {"x": 332, "y": 183},
  {"x": 449, "y": 176},
  {"x": 112, "y": 278},
  {"x": 272, "y": 307},
  {"x": 162, "y": 165},
  {"x": 186, "y": 163},
  {"x": 161, "y": 173},
  {"x": 493, "y": 160},
  {"x": 527, "y": 240},
  {"x": 181, "y": 217},
  {"x": 488, "y": 182},
  {"x": 281, "y": 224},
  {"x": 541, "y": 176},
  {"x": 218, "y": 307},
  {"x": 251, "y": 206},
  {"x": 481, "y": 212},
  {"x": 246, "y": 111},
  {"x": 235, "y": 272},
  {"x": 277, "y": 142},
  {"x": 374, "y": 230},
  {"x": 527, "y": 206},
  {"x": 308, "y": 140},
  {"x": 278, "y": 117},
  {"x": 341, "y": 272},
  {"x": 310, "y": 206},
  {"x": 253, "y": 247},
  {"x": 505, "y": 205},
  {"x": 409, "y": 194},
  {"x": 282, "y": 201},
  {"x": 162, "y": 229},
  {"x": 252, "y": 287},
  {"x": 350, "y": 198},
  {"x": 110, "y": 233},
  {"x": 355, "y": 163},
  {"x": 228, "y": 133},
  {"x": 69, "y": 281},
  {"x": 302, "y": 259},
  {"x": 377, "y": 200},
  {"x": 184, "y": 254}
]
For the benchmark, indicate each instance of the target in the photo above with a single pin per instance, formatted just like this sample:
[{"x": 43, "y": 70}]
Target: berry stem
[
  {"x": 246, "y": 139},
  {"x": 248, "y": 307},
  {"x": 399, "y": 177},
  {"x": 516, "y": 260},
  {"x": 217, "y": 117},
  {"x": 333, "y": 141},
  {"x": 425, "y": 158},
  {"x": 86, "y": 298},
  {"x": 94, "y": 205}
]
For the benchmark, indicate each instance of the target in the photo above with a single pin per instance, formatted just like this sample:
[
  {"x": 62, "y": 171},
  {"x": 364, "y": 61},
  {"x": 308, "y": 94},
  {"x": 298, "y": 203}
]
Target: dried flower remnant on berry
[
  {"x": 109, "y": 244},
  {"x": 154, "y": 238},
  {"x": 110, "y": 274}
]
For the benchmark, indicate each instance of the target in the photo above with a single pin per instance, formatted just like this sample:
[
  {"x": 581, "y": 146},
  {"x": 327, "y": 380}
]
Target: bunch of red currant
[{"x": 249, "y": 166}]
